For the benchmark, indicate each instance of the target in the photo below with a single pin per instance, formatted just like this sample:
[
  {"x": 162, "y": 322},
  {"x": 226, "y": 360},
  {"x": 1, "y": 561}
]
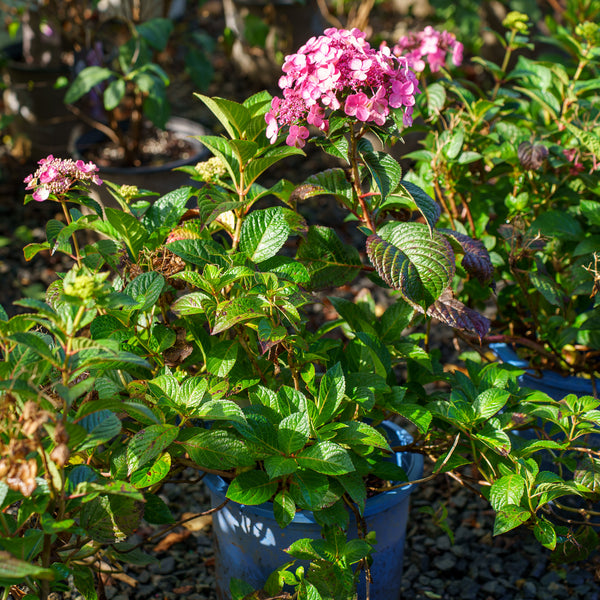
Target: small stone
[
  {"x": 549, "y": 578},
  {"x": 144, "y": 576},
  {"x": 411, "y": 573},
  {"x": 446, "y": 562},
  {"x": 492, "y": 587},
  {"x": 121, "y": 597},
  {"x": 443, "y": 543},
  {"x": 167, "y": 565},
  {"x": 529, "y": 588}
]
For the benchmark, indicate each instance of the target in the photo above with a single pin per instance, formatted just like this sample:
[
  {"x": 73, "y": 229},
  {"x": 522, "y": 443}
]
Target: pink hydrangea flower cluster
[
  {"x": 57, "y": 176},
  {"x": 431, "y": 46},
  {"x": 339, "y": 70}
]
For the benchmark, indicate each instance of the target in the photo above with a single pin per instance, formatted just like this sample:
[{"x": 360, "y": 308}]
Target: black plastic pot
[
  {"x": 30, "y": 95},
  {"x": 156, "y": 178}
]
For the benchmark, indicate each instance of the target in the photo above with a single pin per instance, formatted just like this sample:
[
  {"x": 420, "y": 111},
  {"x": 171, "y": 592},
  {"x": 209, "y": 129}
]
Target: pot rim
[
  {"x": 185, "y": 128},
  {"x": 568, "y": 383},
  {"x": 412, "y": 463}
]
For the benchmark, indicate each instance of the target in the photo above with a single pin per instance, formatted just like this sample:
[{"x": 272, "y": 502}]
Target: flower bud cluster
[
  {"x": 211, "y": 170},
  {"x": 57, "y": 176},
  {"x": 340, "y": 70},
  {"x": 431, "y": 46}
]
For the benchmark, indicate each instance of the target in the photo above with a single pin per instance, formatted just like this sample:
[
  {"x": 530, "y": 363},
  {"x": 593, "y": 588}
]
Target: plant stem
[
  {"x": 73, "y": 237},
  {"x": 504, "y": 66},
  {"x": 353, "y": 160}
]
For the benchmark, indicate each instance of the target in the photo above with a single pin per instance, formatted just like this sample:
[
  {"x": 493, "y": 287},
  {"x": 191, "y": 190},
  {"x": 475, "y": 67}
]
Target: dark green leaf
[
  {"x": 148, "y": 443},
  {"x": 327, "y": 458},
  {"x": 251, "y": 487}
]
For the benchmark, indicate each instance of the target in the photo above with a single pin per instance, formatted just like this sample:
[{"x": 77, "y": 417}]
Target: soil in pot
[{"x": 161, "y": 151}]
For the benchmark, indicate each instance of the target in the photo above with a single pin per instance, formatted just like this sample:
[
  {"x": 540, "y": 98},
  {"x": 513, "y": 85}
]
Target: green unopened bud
[
  {"x": 590, "y": 32},
  {"x": 516, "y": 21},
  {"x": 211, "y": 169},
  {"x": 129, "y": 192},
  {"x": 83, "y": 284}
]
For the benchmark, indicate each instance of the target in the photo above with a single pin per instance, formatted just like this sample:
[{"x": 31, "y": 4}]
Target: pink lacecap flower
[
  {"x": 429, "y": 47},
  {"x": 339, "y": 69},
  {"x": 297, "y": 136},
  {"x": 56, "y": 176}
]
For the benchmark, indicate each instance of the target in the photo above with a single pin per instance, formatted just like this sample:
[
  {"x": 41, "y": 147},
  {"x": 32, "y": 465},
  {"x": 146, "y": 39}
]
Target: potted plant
[
  {"x": 513, "y": 162},
  {"x": 45, "y": 38},
  {"x": 129, "y": 110},
  {"x": 183, "y": 338}
]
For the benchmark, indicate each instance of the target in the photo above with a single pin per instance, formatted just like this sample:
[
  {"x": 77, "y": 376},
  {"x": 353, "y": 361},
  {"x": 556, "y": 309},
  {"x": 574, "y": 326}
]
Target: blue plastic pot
[
  {"x": 555, "y": 385},
  {"x": 249, "y": 544}
]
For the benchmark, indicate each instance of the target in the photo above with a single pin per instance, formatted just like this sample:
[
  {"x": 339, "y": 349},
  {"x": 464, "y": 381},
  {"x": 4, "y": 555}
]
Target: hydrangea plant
[
  {"x": 182, "y": 337},
  {"x": 515, "y": 164}
]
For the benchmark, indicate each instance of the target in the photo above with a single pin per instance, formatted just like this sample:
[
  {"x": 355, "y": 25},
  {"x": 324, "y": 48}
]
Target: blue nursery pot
[
  {"x": 249, "y": 544},
  {"x": 555, "y": 385}
]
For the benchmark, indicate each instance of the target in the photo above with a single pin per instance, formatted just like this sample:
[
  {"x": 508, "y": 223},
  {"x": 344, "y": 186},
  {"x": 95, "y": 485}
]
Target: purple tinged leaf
[
  {"x": 532, "y": 156},
  {"x": 476, "y": 259},
  {"x": 411, "y": 260},
  {"x": 458, "y": 316}
]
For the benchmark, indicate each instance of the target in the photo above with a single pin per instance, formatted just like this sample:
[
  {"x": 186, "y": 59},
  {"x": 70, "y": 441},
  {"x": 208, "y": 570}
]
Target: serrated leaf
[
  {"x": 416, "y": 414},
  {"x": 422, "y": 201},
  {"x": 167, "y": 210},
  {"x": 221, "y": 148},
  {"x": 145, "y": 289},
  {"x": 34, "y": 342},
  {"x": 148, "y": 443},
  {"x": 235, "y": 311},
  {"x": 489, "y": 402},
  {"x": 263, "y": 233},
  {"x": 251, "y": 487},
  {"x": 587, "y": 474},
  {"x": 222, "y": 357},
  {"x": 545, "y": 533},
  {"x": 412, "y": 261},
  {"x": 86, "y": 79},
  {"x": 220, "y": 410},
  {"x": 233, "y": 116},
  {"x": 331, "y": 393},
  {"x": 101, "y": 426},
  {"x": 327, "y": 259},
  {"x": 476, "y": 260},
  {"x": 192, "y": 304},
  {"x": 284, "y": 508},
  {"x": 385, "y": 170},
  {"x": 507, "y": 490},
  {"x": 109, "y": 519},
  {"x": 14, "y": 571},
  {"x": 259, "y": 165},
  {"x": 156, "y": 510},
  {"x": 327, "y": 458},
  {"x": 509, "y": 518},
  {"x": 548, "y": 288},
  {"x": 293, "y": 433},
  {"x": 152, "y": 474},
  {"x": 200, "y": 252},
  {"x": 278, "y": 465},
  {"x": 458, "y": 316},
  {"x": 217, "y": 450},
  {"x": 436, "y": 98},
  {"x": 333, "y": 182},
  {"x": 129, "y": 228}
]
